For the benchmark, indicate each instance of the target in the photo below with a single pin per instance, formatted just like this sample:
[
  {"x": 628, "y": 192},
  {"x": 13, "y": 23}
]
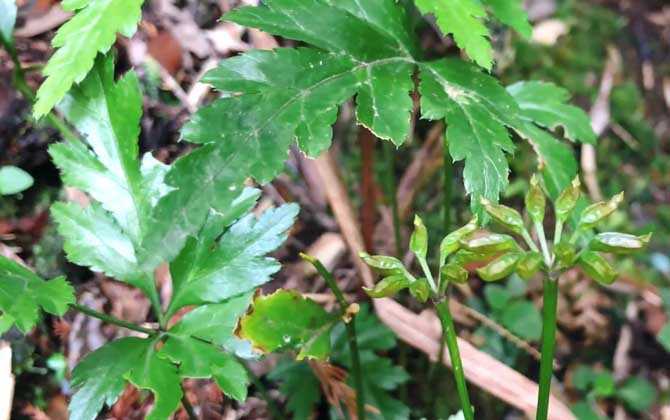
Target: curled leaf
[
  {"x": 418, "y": 242},
  {"x": 465, "y": 256},
  {"x": 388, "y": 286},
  {"x": 506, "y": 216},
  {"x": 598, "y": 211},
  {"x": 565, "y": 254},
  {"x": 420, "y": 290},
  {"x": 567, "y": 200},
  {"x": 383, "y": 263},
  {"x": 488, "y": 244},
  {"x": 619, "y": 243},
  {"x": 451, "y": 242},
  {"x": 453, "y": 273},
  {"x": 597, "y": 267},
  {"x": 535, "y": 200},
  {"x": 499, "y": 268},
  {"x": 529, "y": 264}
]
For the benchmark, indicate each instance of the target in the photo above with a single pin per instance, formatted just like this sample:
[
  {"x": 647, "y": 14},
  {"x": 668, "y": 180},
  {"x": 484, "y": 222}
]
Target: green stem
[
  {"x": 111, "y": 320},
  {"x": 351, "y": 332},
  {"x": 19, "y": 82},
  {"x": 558, "y": 231},
  {"x": 456, "y": 364},
  {"x": 529, "y": 241},
  {"x": 448, "y": 174},
  {"x": 187, "y": 406},
  {"x": 549, "y": 306},
  {"x": 543, "y": 243},
  {"x": 275, "y": 412},
  {"x": 392, "y": 193},
  {"x": 157, "y": 308}
]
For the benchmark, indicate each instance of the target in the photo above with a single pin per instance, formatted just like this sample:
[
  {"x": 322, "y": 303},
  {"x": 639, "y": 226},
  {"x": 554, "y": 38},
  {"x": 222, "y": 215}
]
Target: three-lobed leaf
[{"x": 23, "y": 294}]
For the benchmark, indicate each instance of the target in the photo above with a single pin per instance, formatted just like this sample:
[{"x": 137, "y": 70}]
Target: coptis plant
[
  {"x": 504, "y": 255},
  {"x": 216, "y": 270},
  {"x": 552, "y": 258},
  {"x": 194, "y": 214}
]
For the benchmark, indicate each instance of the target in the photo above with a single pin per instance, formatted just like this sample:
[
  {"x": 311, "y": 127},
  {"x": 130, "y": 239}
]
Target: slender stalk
[
  {"x": 543, "y": 243},
  {"x": 448, "y": 175},
  {"x": 529, "y": 241},
  {"x": 449, "y": 331},
  {"x": 19, "y": 82},
  {"x": 392, "y": 193},
  {"x": 111, "y": 320},
  {"x": 187, "y": 406},
  {"x": 275, "y": 412},
  {"x": 351, "y": 332},
  {"x": 157, "y": 308},
  {"x": 558, "y": 231},
  {"x": 549, "y": 306}
]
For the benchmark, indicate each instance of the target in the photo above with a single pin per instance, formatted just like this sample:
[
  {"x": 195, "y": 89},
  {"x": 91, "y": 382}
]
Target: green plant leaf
[
  {"x": 201, "y": 344},
  {"x": 597, "y": 267},
  {"x": 638, "y": 394},
  {"x": 499, "y": 268},
  {"x": 619, "y": 243},
  {"x": 14, "y": 180},
  {"x": 101, "y": 376},
  {"x": 107, "y": 167},
  {"x": 211, "y": 269},
  {"x": 418, "y": 242},
  {"x": 301, "y": 388},
  {"x": 7, "y": 19},
  {"x": 286, "y": 320},
  {"x": 511, "y": 13},
  {"x": 464, "y": 20},
  {"x": 295, "y": 93},
  {"x": 477, "y": 111},
  {"x": 546, "y": 105},
  {"x": 92, "y": 30},
  {"x": 523, "y": 319},
  {"x": 497, "y": 296},
  {"x": 93, "y": 239},
  {"x": 23, "y": 293}
]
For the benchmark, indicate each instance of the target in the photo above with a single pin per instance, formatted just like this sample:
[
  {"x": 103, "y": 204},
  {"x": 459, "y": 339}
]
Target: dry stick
[{"x": 423, "y": 331}]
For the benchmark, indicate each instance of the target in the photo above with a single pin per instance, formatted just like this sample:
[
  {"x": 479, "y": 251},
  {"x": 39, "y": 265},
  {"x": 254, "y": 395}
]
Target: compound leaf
[
  {"x": 23, "y": 293},
  {"x": 93, "y": 29},
  {"x": 286, "y": 320},
  {"x": 210, "y": 270}
]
